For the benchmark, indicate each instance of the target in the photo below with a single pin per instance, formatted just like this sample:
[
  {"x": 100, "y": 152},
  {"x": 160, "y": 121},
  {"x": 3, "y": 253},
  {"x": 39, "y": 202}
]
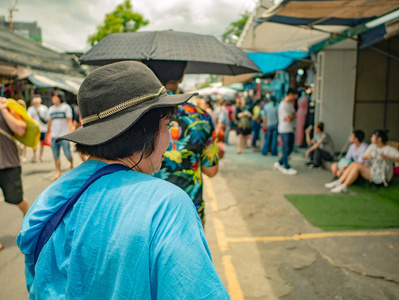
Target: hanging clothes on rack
[{"x": 303, "y": 103}]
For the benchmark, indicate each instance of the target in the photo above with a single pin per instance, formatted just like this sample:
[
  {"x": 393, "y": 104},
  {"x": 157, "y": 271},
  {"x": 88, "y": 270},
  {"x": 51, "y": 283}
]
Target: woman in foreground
[{"x": 129, "y": 235}]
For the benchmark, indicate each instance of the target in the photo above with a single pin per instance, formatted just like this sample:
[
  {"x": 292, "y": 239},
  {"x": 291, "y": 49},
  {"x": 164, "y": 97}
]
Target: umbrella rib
[{"x": 153, "y": 48}]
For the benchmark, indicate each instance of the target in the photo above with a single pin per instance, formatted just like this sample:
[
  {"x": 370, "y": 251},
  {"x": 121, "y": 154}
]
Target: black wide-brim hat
[{"x": 112, "y": 98}]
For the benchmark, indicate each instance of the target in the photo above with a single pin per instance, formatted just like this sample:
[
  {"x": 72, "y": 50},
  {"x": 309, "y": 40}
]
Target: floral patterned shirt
[{"x": 193, "y": 145}]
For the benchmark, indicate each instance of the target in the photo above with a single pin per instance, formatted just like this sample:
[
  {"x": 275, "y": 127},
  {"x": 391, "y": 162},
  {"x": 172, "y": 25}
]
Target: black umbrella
[{"x": 204, "y": 53}]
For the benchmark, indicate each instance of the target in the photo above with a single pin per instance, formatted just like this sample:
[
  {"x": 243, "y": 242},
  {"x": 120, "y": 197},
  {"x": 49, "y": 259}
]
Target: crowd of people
[
  {"x": 249, "y": 117},
  {"x": 135, "y": 129},
  {"x": 373, "y": 162}
]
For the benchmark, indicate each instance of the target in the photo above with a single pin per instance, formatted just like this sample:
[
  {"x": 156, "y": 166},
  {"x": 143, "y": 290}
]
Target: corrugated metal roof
[
  {"x": 329, "y": 12},
  {"x": 21, "y": 51}
]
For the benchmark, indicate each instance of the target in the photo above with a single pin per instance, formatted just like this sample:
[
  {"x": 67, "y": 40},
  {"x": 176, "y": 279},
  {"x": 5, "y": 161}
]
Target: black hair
[
  {"x": 141, "y": 136},
  {"x": 359, "y": 134},
  {"x": 320, "y": 125},
  {"x": 292, "y": 91},
  {"x": 167, "y": 70},
  {"x": 273, "y": 99},
  {"x": 381, "y": 133},
  {"x": 208, "y": 100},
  {"x": 60, "y": 94}
]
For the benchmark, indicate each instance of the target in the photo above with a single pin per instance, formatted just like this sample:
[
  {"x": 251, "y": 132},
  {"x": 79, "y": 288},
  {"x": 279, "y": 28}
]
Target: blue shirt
[
  {"x": 271, "y": 113},
  {"x": 129, "y": 236}
]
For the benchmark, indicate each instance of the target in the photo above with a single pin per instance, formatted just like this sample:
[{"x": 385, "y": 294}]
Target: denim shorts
[{"x": 56, "y": 149}]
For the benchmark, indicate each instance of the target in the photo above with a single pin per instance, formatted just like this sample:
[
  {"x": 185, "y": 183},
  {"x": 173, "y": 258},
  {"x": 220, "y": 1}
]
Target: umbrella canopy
[{"x": 204, "y": 53}]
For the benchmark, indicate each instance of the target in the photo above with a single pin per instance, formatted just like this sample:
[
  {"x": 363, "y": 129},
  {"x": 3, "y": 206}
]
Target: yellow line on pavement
[
  {"x": 220, "y": 234},
  {"x": 233, "y": 285},
  {"x": 211, "y": 194},
  {"x": 309, "y": 236}
]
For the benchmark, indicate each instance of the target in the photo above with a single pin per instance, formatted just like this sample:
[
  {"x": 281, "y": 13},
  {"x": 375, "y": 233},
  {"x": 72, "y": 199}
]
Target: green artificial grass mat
[{"x": 368, "y": 208}]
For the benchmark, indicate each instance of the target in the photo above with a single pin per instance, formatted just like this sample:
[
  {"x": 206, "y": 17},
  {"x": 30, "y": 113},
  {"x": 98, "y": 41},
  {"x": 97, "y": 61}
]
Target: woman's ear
[{"x": 181, "y": 79}]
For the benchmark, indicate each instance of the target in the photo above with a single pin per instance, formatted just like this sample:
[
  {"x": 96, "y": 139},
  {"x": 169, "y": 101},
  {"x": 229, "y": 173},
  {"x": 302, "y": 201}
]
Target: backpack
[{"x": 244, "y": 123}]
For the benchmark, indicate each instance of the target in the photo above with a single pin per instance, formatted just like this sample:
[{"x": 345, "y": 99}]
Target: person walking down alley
[
  {"x": 286, "y": 116},
  {"x": 59, "y": 124},
  {"x": 39, "y": 113},
  {"x": 243, "y": 117},
  {"x": 270, "y": 120},
  {"x": 10, "y": 166},
  {"x": 256, "y": 120},
  {"x": 193, "y": 150},
  {"x": 122, "y": 233}
]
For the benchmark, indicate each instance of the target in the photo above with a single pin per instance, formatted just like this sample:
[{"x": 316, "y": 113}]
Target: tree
[
  {"x": 212, "y": 78},
  {"x": 235, "y": 29},
  {"x": 122, "y": 19}
]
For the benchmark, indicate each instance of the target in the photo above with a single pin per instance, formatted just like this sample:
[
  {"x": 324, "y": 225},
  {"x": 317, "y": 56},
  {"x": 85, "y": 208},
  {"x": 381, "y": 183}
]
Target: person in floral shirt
[{"x": 193, "y": 149}]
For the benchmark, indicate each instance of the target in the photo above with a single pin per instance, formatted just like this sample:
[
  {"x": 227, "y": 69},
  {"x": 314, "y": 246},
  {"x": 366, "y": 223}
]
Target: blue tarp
[
  {"x": 270, "y": 62},
  {"x": 330, "y": 21},
  {"x": 372, "y": 36}
]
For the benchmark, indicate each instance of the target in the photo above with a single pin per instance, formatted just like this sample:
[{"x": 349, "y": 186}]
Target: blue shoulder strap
[{"x": 53, "y": 222}]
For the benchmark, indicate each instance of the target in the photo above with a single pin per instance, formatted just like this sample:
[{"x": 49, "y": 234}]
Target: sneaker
[
  {"x": 340, "y": 189},
  {"x": 290, "y": 171},
  {"x": 332, "y": 184},
  {"x": 277, "y": 166}
]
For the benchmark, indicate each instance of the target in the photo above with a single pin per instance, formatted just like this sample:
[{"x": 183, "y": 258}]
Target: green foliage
[
  {"x": 211, "y": 79},
  {"x": 235, "y": 29},
  {"x": 122, "y": 19}
]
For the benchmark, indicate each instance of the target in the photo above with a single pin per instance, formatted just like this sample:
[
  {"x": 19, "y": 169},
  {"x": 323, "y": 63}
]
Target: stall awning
[
  {"x": 270, "y": 62},
  {"x": 273, "y": 37},
  {"x": 305, "y": 25},
  {"x": 64, "y": 82},
  {"x": 328, "y": 12}
]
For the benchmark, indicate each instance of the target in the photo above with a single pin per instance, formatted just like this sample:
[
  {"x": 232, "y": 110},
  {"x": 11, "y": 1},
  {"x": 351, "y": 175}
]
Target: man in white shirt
[
  {"x": 39, "y": 113},
  {"x": 59, "y": 124},
  {"x": 286, "y": 115}
]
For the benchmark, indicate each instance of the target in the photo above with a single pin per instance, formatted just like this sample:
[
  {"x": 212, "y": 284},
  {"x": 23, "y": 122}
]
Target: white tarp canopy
[
  {"x": 274, "y": 37},
  {"x": 223, "y": 91},
  {"x": 64, "y": 82},
  {"x": 296, "y": 25}
]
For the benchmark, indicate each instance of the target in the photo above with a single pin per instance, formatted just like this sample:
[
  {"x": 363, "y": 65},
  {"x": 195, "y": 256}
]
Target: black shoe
[
  {"x": 309, "y": 163},
  {"x": 316, "y": 167}
]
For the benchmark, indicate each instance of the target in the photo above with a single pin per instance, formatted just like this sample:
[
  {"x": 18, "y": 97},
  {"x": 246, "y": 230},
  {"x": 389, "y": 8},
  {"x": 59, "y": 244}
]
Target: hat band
[{"x": 122, "y": 106}]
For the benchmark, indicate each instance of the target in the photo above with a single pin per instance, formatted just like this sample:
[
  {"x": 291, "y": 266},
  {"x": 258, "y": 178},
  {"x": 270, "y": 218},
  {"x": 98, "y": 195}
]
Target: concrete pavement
[
  {"x": 262, "y": 246},
  {"x": 276, "y": 253}
]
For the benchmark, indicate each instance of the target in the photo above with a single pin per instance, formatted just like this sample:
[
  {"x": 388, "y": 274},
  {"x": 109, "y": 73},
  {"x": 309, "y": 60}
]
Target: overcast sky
[{"x": 66, "y": 24}]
